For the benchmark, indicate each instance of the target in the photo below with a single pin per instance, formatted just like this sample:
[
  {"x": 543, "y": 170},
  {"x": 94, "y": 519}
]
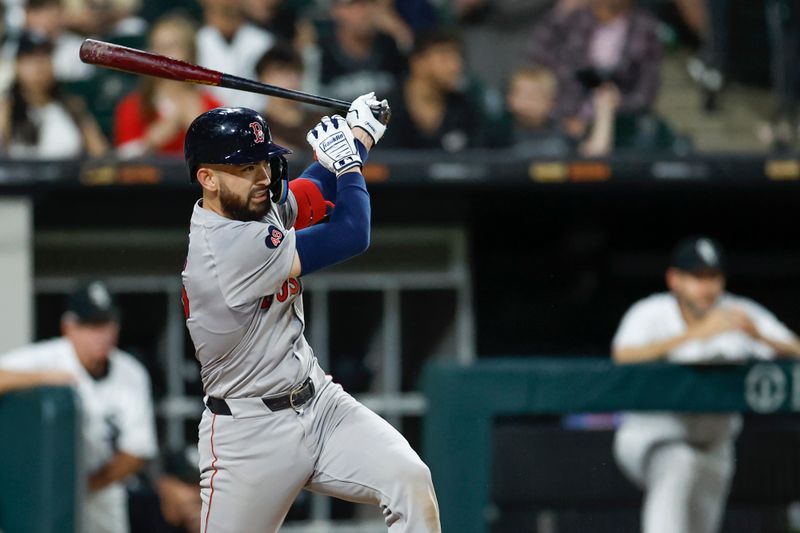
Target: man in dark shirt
[
  {"x": 429, "y": 109},
  {"x": 356, "y": 57}
]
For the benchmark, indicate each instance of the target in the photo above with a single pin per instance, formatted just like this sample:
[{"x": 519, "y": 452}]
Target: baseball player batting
[{"x": 274, "y": 423}]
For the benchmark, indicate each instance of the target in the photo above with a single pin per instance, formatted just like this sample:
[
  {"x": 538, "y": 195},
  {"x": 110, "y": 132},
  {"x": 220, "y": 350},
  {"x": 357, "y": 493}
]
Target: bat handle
[{"x": 382, "y": 112}]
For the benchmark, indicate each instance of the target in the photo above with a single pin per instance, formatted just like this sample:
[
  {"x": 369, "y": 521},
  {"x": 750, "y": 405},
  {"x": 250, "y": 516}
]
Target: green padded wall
[
  {"x": 464, "y": 400},
  {"x": 40, "y": 450}
]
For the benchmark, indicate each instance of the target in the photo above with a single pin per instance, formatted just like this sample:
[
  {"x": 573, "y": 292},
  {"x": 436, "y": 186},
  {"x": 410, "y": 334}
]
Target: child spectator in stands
[
  {"x": 606, "y": 43},
  {"x": 37, "y": 120},
  {"x": 289, "y": 122},
  {"x": 531, "y": 100},
  {"x": 535, "y": 132},
  {"x": 156, "y": 116},
  {"x": 355, "y": 56},
  {"x": 227, "y": 42},
  {"x": 429, "y": 109}
]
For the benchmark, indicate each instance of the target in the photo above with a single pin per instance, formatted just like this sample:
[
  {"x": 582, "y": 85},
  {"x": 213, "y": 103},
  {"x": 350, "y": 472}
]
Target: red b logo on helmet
[{"x": 258, "y": 131}]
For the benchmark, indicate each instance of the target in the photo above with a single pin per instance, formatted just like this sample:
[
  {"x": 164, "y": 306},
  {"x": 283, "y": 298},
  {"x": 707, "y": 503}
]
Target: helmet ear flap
[{"x": 279, "y": 188}]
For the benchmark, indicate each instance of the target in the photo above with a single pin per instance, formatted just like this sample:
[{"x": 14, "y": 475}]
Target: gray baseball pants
[{"x": 254, "y": 463}]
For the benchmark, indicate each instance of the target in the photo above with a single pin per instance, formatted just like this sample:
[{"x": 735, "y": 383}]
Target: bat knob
[{"x": 382, "y": 112}]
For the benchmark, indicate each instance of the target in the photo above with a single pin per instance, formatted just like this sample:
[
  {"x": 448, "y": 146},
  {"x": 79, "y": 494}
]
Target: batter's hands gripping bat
[{"x": 140, "y": 62}]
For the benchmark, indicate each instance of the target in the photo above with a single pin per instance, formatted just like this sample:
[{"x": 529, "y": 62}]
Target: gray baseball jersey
[
  {"x": 244, "y": 313},
  {"x": 245, "y": 316}
]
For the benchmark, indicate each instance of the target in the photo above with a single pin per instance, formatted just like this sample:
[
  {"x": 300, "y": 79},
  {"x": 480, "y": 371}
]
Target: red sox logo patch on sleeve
[
  {"x": 274, "y": 237},
  {"x": 258, "y": 131}
]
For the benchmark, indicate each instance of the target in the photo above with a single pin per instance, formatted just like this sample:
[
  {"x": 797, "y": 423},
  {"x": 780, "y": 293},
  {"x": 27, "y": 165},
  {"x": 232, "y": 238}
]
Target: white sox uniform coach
[
  {"x": 275, "y": 424},
  {"x": 685, "y": 461}
]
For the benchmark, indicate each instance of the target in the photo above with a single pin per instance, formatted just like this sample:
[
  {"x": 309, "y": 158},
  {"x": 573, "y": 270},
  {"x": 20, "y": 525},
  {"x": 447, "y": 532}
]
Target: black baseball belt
[{"x": 295, "y": 399}]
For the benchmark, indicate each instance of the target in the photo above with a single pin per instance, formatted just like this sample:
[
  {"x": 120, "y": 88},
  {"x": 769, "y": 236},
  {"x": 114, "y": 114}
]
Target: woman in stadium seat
[
  {"x": 154, "y": 118},
  {"x": 37, "y": 119}
]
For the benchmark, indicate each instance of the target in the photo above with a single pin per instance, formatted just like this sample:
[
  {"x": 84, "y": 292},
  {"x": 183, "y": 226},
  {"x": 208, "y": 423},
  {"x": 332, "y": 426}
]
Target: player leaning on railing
[{"x": 685, "y": 461}]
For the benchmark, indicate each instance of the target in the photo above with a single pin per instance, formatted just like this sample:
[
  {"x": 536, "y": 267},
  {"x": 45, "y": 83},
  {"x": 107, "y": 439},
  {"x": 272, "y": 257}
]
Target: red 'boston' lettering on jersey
[
  {"x": 185, "y": 301},
  {"x": 184, "y": 296},
  {"x": 290, "y": 287}
]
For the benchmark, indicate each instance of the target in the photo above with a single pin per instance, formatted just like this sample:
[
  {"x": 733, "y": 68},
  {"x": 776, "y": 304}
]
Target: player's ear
[
  {"x": 671, "y": 278},
  {"x": 208, "y": 179}
]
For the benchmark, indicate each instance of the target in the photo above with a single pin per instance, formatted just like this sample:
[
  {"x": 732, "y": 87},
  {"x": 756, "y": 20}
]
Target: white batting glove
[
  {"x": 334, "y": 145},
  {"x": 361, "y": 114}
]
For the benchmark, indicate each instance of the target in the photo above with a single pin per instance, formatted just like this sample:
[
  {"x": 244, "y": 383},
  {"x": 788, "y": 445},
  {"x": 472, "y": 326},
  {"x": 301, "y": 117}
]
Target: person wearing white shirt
[
  {"x": 227, "y": 42},
  {"x": 118, "y": 424},
  {"x": 684, "y": 462}
]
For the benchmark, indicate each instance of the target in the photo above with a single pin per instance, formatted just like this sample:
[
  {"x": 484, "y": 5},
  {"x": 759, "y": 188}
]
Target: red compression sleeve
[{"x": 311, "y": 205}]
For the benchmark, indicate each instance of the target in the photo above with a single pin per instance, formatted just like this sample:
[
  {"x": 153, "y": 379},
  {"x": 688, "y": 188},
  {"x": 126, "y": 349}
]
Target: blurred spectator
[
  {"x": 289, "y": 121},
  {"x": 114, "y": 390},
  {"x": 429, "y": 109},
  {"x": 601, "y": 138},
  {"x": 783, "y": 23},
  {"x": 227, "y": 42},
  {"x": 47, "y": 18},
  {"x": 419, "y": 15},
  {"x": 356, "y": 57},
  {"x": 37, "y": 120},
  {"x": 709, "y": 20},
  {"x": 531, "y": 99},
  {"x": 7, "y": 53},
  {"x": 607, "y": 42},
  {"x": 684, "y": 462},
  {"x": 494, "y": 32},
  {"x": 104, "y": 17},
  {"x": 279, "y": 17},
  {"x": 389, "y": 21},
  {"x": 155, "y": 117}
]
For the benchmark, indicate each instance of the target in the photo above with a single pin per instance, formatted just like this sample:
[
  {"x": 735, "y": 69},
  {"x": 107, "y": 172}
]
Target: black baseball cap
[
  {"x": 92, "y": 303},
  {"x": 698, "y": 254}
]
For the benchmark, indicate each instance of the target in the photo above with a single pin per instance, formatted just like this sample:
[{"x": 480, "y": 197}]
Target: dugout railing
[{"x": 466, "y": 403}]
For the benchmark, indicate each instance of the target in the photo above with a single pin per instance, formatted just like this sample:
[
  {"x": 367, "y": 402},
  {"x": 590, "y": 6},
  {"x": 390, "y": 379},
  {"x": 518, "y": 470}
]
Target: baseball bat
[{"x": 140, "y": 62}]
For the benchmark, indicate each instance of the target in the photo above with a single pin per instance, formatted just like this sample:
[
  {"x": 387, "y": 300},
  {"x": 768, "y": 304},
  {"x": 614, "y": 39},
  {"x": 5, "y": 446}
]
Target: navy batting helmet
[{"x": 233, "y": 136}]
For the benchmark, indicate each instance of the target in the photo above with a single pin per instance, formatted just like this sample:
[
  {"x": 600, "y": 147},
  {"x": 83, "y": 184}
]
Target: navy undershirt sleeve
[
  {"x": 347, "y": 233},
  {"x": 324, "y": 179}
]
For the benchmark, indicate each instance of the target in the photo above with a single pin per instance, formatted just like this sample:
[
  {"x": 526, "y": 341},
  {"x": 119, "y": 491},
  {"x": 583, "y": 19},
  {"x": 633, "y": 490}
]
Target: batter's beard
[{"x": 239, "y": 209}]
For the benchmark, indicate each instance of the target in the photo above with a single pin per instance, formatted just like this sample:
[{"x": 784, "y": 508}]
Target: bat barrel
[
  {"x": 150, "y": 64},
  {"x": 140, "y": 62}
]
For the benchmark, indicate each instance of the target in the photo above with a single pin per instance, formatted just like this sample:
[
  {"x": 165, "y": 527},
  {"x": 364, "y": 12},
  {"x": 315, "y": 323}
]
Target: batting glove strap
[{"x": 334, "y": 145}]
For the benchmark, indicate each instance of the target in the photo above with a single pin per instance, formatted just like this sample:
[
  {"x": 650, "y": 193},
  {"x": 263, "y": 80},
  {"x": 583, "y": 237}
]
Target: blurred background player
[
  {"x": 114, "y": 391},
  {"x": 684, "y": 462}
]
